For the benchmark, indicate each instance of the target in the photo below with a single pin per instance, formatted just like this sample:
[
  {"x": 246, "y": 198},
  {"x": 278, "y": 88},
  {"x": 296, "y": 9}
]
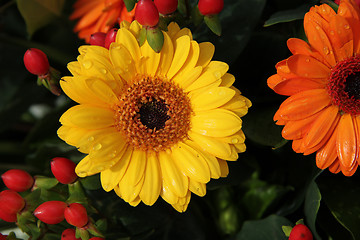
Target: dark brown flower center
[
  {"x": 344, "y": 85},
  {"x": 153, "y": 114}
]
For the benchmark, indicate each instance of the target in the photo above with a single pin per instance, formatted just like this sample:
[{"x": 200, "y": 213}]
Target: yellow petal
[
  {"x": 197, "y": 188},
  {"x": 107, "y": 148},
  {"x": 112, "y": 176},
  {"x": 182, "y": 32},
  {"x": 182, "y": 48},
  {"x": 175, "y": 179},
  {"x": 167, "y": 194},
  {"x": 213, "y": 72},
  {"x": 127, "y": 39},
  {"x": 87, "y": 116},
  {"x": 186, "y": 79},
  {"x": 152, "y": 182},
  {"x": 151, "y": 60},
  {"x": 227, "y": 80},
  {"x": 213, "y": 146},
  {"x": 216, "y": 123},
  {"x": 136, "y": 168},
  {"x": 207, "y": 50},
  {"x": 167, "y": 53},
  {"x": 190, "y": 62},
  {"x": 74, "y": 68},
  {"x": 102, "y": 91},
  {"x": 238, "y": 137},
  {"x": 224, "y": 168},
  {"x": 212, "y": 98},
  {"x": 189, "y": 161},
  {"x": 173, "y": 29},
  {"x": 83, "y": 167},
  {"x": 182, "y": 203},
  {"x": 71, "y": 135},
  {"x": 91, "y": 137},
  {"x": 122, "y": 61},
  {"x": 211, "y": 160},
  {"x": 128, "y": 191}
]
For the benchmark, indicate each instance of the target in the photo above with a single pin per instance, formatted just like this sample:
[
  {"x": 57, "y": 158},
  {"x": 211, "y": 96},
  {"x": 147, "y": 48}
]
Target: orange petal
[
  {"x": 346, "y": 142},
  {"x": 292, "y": 86},
  {"x": 304, "y": 104},
  {"x": 308, "y": 67},
  {"x": 351, "y": 12},
  {"x": 327, "y": 154},
  {"x": 341, "y": 37},
  {"x": 335, "y": 166},
  {"x": 351, "y": 171},
  {"x": 298, "y": 129},
  {"x": 325, "y": 123},
  {"x": 318, "y": 38}
]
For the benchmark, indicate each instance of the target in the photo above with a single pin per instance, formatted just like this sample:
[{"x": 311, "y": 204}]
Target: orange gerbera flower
[
  {"x": 99, "y": 16},
  {"x": 322, "y": 80}
]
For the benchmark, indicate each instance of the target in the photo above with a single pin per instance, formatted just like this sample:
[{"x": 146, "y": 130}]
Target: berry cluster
[
  {"x": 154, "y": 15},
  {"x": 30, "y": 198}
]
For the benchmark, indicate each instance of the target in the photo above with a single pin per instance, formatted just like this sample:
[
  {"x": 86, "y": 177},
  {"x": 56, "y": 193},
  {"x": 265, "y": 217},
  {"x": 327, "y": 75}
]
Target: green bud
[
  {"x": 129, "y": 4},
  {"x": 287, "y": 230},
  {"x": 45, "y": 182},
  {"x": 155, "y": 38},
  {"x": 213, "y": 22}
]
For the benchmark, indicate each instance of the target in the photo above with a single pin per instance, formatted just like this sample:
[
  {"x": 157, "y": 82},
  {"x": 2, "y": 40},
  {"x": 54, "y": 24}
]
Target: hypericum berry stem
[
  {"x": 63, "y": 169},
  {"x": 146, "y": 13},
  {"x": 36, "y": 62},
  {"x": 17, "y": 180}
]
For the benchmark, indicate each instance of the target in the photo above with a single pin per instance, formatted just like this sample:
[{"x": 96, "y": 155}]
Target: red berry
[
  {"x": 300, "y": 232},
  {"x": 3, "y": 237},
  {"x": 166, "y": 6},
  {"x": 98, "y": 39},
  {"x": 210, "y": 7},
  {"x": 68, "y": 234},
  {"x": 63, "y": 169},
  {"x": 36, "y": 61},
  {"x": 11, "y": 202},
  {"x": 8, "y": 217},
  {"x": 110, "y": 37},
  {"x": 17, "y": 180},
  {"x": 76, "y": 215},
  {"x": 146, "y": 13},
  {"x": 51, "y": 212}
]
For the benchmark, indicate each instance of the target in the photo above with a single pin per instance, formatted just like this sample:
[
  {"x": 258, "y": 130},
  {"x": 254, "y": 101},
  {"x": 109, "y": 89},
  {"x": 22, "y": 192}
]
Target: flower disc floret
[{"x": 153, "y": 124}]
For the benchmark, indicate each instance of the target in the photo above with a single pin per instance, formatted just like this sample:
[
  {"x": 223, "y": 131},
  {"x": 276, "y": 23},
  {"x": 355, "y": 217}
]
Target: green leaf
[
  {"x": 91, "y": 182},
  {"x": 342, "y": 196},
  {"x": 45, "y": 182},
  {"x": 155, "y": 38},
  {"x": 39, "y": 13},
  {"x": 269, "y": 228},
  {"x": 311, "y": 208},
  {"x": 288, "y": 15},
  {"x": 213, "y": 22}
]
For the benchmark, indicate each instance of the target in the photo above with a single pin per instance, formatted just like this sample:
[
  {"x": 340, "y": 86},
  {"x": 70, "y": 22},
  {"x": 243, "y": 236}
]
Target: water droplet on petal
[
  {"x": 87, "y": 64},
  {"x": 326, "y": 50},
  {"x": 234, "y": 140},
  {"x": 217, "y": 74},
  {"x": 90, "y": 139},
  {"x": 97, "y": 147},
  {"x": 103, "y": 71},
  {"x": 307, "y": 60},
  {"x": 346, "y": 26},
  {"x": 317, "y": 28},
  {"x": 332, "y": 32}
]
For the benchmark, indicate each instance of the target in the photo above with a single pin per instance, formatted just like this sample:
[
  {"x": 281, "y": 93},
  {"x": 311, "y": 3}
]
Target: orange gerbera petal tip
[
  {"x": 322, "y": 80},
  {"x": 99, "y": 16}
]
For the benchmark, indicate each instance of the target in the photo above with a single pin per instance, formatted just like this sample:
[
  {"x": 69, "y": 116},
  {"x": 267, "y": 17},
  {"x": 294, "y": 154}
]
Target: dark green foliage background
[{"x": 268, "y": 187}]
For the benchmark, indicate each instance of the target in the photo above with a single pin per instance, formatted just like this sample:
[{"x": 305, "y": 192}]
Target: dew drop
[
  {"x": 217, "y": 74},
  {"x": 307, "y": 60},
  {"x": 317, "y": 28},
  {"x": 90, "y": 139},
  {"x": 346, "y": 26},
  {"x": 332, "y": 32},
  {"x": 87, "y": 64},
  {"x": 103, "y": 71},
  {"x": 97, "y": 147},
  {"x": 234, "y": 140},
  {"x": 326, "y": 50}
]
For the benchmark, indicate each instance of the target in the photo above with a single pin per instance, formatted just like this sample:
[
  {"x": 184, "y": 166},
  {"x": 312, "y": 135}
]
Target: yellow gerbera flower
[{"x": 153, "y": 123}]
